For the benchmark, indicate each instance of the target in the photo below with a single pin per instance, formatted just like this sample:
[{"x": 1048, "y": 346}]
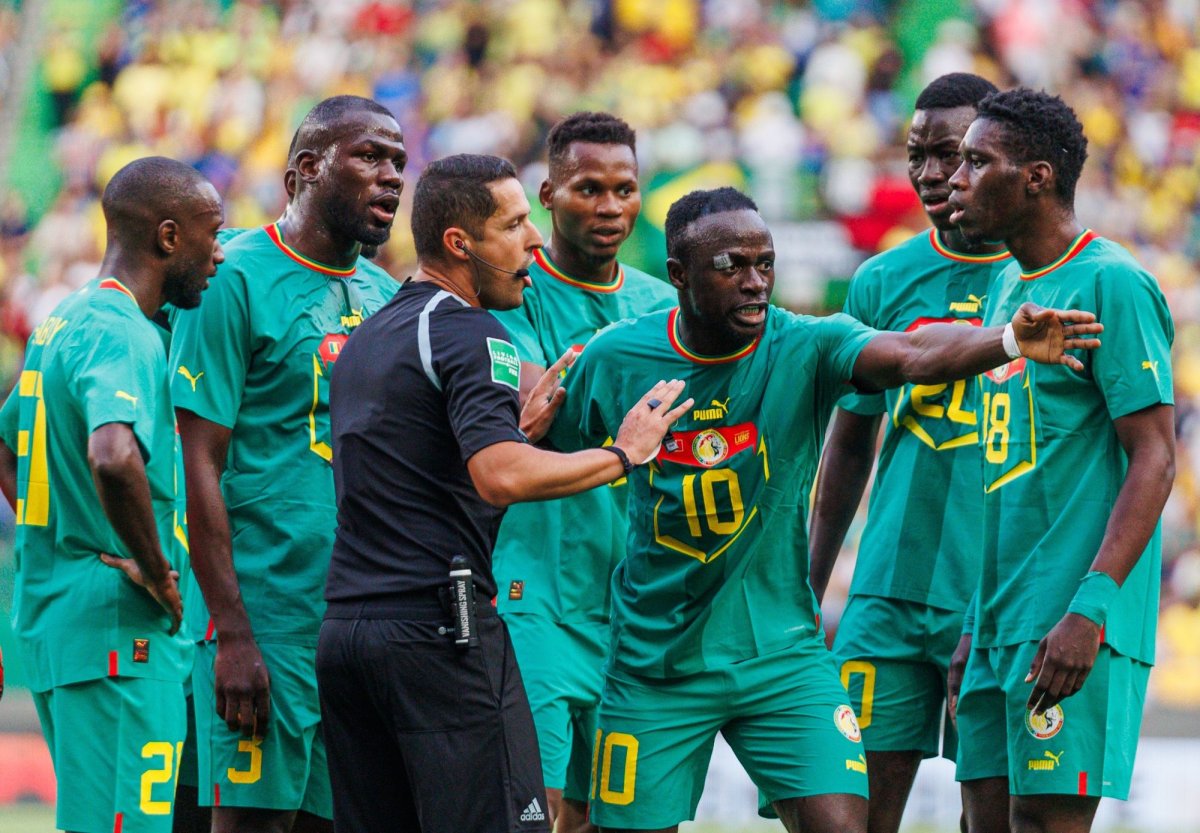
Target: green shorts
[
  {"x": 563, "y": 668},
  {"x": 285, "y": 769},
  {"x": 785, "y": 715},
  {"x": 894, "y": 655},
  {"x": 1082, "y": 746},
  {"x": 115, "y": 743}
]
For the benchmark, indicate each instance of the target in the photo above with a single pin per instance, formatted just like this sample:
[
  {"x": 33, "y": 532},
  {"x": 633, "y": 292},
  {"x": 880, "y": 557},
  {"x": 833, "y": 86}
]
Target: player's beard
[
  {"x": 345, "y": 218},
  {"x": 183, "y": 290}
]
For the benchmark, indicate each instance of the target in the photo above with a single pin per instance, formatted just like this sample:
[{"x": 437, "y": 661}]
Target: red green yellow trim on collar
[
  {"x": 113, "y": 283},
  {"x": 677, "y": 343},
  {"x": 947, "y": 252},
  {"x": 1077, "y": 246},
  {"x": 542, "y": 259},
  {"x": 277, "y": 238}
]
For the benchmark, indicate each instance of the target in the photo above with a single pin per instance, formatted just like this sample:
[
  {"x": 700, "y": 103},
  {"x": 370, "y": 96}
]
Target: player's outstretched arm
[
  {"x": 1065, "y": 656},
  {"x": 841, "y": 480},
  {"x": 120, "y": 477},
  {"x": 510, "y": 472},
  {"x": 241, "y": 680},
  {"x": 945, "y": 352},
  {"x": 8, "y": 475}
]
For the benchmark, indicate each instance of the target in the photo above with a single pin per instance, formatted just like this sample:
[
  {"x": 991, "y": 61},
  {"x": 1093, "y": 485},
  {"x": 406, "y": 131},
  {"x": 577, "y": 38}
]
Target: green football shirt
[
  {"x": 95, "y": 360},
  {"x": 256, "y": 357},
  {"x": 1051, "y": 459},
  {"x": 921, "y": 542},
  {"x": 716, "y": 566},
  {"x": 549, "y": 554}
]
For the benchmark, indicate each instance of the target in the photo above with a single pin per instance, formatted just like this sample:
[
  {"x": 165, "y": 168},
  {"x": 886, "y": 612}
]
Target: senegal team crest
[
  {"x": 1004, "y": 372},
  {"x": 1045, "y": 725},
  {"x": 847, "y": 723},
  {"x": 709, "y": 447}
]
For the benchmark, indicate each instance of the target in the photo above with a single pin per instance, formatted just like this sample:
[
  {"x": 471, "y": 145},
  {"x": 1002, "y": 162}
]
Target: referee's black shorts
[{"x": 423, "y": 736}]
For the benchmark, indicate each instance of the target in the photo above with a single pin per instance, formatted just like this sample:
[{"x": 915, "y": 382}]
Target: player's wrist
[
  {"x": 1008, "y": 339},
  {"x": 1092, "y": 598}
]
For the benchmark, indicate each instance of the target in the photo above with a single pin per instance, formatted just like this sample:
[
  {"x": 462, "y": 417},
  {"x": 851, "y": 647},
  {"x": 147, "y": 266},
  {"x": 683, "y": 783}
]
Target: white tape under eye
[{"x": 722, "y": 261}]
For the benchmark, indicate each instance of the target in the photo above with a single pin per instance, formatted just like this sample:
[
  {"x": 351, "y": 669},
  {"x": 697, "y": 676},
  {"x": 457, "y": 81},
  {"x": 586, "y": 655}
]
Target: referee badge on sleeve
[{"x": 506, "y": 365}]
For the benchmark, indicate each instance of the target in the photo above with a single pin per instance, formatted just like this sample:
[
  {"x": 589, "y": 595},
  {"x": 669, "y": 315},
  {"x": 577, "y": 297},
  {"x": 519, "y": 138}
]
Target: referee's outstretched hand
[
  {"x": 643, "y": 429},
  {"x": 545, "y": 398},
  {"x": 1045, "y": 335}
]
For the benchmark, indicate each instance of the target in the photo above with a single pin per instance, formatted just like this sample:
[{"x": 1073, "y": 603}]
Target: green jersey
[
  {"x": 1052, "y": 463},
  {"x": 921, "y": 542},
  {"x": 256, "y": 357},
  {"x": 716, "y": 566},
  {"x": 551, "y": 556},
  {"x": 95, "y": 360}
]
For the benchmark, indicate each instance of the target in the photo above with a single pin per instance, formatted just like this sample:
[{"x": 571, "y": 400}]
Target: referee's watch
[{"x": 622, "y": 456}]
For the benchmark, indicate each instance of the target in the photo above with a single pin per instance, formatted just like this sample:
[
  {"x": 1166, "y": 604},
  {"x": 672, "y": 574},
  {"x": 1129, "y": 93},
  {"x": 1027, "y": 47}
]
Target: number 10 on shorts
[{"x": 614, "y": 767}]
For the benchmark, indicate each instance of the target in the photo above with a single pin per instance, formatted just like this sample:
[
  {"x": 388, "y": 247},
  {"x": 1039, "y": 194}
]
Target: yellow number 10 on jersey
[{"x": 33, "y": 496}]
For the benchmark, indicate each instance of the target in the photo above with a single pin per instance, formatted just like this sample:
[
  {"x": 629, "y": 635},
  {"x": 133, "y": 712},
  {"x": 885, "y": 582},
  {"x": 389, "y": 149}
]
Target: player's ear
[
  {"x": 1038, "y": 178},
  {"x": 545, "y": 192},
  {"x": 675, "y": 273},
  {"x": 307, "y": 165},
  {"x": 167, "y": 236}
]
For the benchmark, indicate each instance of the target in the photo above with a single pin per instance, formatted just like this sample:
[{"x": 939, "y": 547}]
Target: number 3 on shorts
[
  {"x": 867, "y": 670},
  {"x": 162, "y": 775},
  {"x": 253, "y": 747},
  {"x": 617, "y": 745}
]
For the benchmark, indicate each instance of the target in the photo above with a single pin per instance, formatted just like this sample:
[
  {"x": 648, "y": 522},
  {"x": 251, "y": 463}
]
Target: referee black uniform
[{"x": 422, "y": 735}]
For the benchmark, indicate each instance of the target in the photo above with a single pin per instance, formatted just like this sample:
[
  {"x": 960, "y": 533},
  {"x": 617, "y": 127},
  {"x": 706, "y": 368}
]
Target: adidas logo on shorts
[{"x": 533, "y": 812}]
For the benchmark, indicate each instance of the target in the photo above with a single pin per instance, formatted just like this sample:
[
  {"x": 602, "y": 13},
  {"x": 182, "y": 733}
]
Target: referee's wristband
[
  {"x": 1096, "y": 592},
  {"x": 622, "y": 456}
]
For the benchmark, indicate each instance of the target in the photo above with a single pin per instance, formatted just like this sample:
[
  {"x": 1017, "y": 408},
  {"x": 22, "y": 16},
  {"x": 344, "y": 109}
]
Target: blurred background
[{"x": 802, "y": 104}]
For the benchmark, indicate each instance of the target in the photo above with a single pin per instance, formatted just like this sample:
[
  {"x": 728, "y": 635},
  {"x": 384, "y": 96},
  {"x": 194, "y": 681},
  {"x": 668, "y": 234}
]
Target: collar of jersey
[
  {"x": 1077, "y": 245},
  {"x": 677, "y": 343},
  {"x": 945, "y": 251},
  {"x": 543, "y": 260},
  {"x": 113, "y": 283},
  {"x": 277, "y": 238}
]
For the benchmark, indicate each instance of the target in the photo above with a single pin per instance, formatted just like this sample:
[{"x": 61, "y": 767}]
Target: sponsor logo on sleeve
[
  {"x": 506, "y": 365},
  {"x": 187, "y": 374},
  {"x": 1152, "y": 367},
  {"x": 128, "y": 397}
]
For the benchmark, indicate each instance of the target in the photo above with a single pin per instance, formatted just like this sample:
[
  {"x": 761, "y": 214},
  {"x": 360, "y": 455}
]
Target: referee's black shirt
[{"x": 418, "y": 388}]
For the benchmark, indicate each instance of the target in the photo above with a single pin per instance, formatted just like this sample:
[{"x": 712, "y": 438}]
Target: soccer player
[
  {"x": 918, "y": 562},
  {"x": 89, "y": 462},
  {"x": 557, "y": 619},
  {"x": 251, "y": 385},
  {"x": 1077, "y": 465},
  {"x": 714, "y": 625}
]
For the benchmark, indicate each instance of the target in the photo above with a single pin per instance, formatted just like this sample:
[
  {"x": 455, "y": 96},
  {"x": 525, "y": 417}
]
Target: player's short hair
[
  {"x": 691, "y": 207},
  {"x": 454, "y": 192},
  {"x": 955, "y": 89},
  {"x": 325, "y": 121},
  {"x": 144, "y": 193},
  {"x": 598, "y": 128},
  {"x": 1039, "y": 127}
]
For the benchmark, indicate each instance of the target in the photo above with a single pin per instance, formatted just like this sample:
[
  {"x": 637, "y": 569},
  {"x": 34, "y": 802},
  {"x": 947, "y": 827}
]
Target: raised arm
[
  {"x": 120, "y": 477},
  {"x": 1066, "y": 655},
  {"x": 845, "y": 469},
  {"x": 242, "y": 682},
  {"x": 510, "y": 472},
  {"x": 945, "y": 352}
]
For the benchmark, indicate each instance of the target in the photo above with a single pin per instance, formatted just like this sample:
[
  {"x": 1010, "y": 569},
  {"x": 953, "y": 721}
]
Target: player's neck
[
  {"x": 303, "y": 231},
  {"x": 707, "y": 340},
  {"x": 1044, "y": 240},
  {"x": 142, "y": 281},
  {"x": 956, "y": 242},
  {"x": 574, "y": 263}
]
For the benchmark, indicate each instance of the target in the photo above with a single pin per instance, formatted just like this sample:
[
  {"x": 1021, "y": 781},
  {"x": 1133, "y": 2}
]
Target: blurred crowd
[{"x": 804, "y": 104}]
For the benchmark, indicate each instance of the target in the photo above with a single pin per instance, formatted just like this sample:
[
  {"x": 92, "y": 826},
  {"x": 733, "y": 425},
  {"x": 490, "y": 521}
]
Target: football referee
[{"x": 426, "y": 720}]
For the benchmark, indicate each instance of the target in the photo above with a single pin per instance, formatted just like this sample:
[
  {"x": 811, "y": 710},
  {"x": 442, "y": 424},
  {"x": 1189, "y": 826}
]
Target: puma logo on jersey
[
  {"x": 719, "y": 410},
  {"x": 123, "y": 395},
  {"x": 1152, "y": 367},
  {"x": 187, "y": 374},
  {"x": 353, "y": 319},
  {"x": 972, "y": 304}
]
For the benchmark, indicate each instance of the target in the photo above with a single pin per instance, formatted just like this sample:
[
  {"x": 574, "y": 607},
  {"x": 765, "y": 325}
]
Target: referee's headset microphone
[{"x": 518, "y": 273}]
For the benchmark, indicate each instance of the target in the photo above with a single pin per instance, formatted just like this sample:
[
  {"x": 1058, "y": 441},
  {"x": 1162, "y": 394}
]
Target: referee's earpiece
[{"x": 458, "y": 244}]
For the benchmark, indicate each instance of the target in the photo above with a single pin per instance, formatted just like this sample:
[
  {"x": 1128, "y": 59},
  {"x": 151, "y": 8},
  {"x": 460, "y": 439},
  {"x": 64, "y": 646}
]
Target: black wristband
[{"x": 621, "y": 455}]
